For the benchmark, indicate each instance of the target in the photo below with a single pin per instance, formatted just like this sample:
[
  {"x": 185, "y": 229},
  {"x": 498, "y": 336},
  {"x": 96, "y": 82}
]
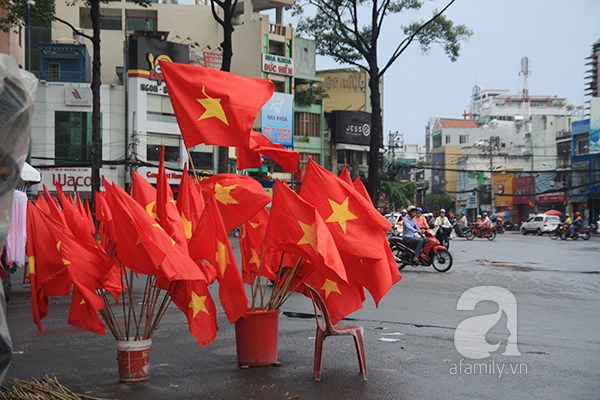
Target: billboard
[
  {"x": 278, "y": 119},
  {"x": 438, "y": 185},
  {"x": 144, "y": 53},
  {"x": 503, "y": 184},
  {"x": 352, "y": 127}
]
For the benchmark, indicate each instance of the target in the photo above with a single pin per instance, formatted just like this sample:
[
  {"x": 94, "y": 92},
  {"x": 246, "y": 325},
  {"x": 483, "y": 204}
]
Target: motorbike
[
  {"x": 473, "y": 232},
  {"x": 565, "y": 232},
  {"x": 458, "y": 230},
  {"x": 433, "y": 253},
  {"x": 443, "y": 236},
  {"x": 500, "y": 227}
]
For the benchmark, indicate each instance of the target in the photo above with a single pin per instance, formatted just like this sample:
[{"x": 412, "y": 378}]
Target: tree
[
  {"x": 339, "y": 33},
  {"x": 434, "y": 201},
  {"x": 400, "y": 193},
  {"x": 228, "y": 7}
]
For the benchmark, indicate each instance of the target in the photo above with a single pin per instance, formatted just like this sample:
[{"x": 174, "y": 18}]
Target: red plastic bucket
[
  {"x": 134, "y": 360},
  {"x": 256, "y": 336}
]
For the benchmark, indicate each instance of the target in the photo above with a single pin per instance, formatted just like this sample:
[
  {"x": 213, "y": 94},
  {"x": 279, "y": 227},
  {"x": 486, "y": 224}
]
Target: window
[
  {"x": 54, "y": 70},
  {"x": 462, "y": 139},
  {"x": 159, "y": 109},
  {"x": 141, "y": 20},
  {"x": 303, "y": 54},
  {"x": 343, "y": 157},
  {"x": 72, "y": 138},
  {"x": 448, "y": 139},
  {"x": 110, "y": 19},
  {"x": 316, "y": 157},
  {"x": 202, "y": 157},
  {"x": 154, "y": 142},
  {"x": 307, "y": 124},
  {"x": 582, "y": 146}
]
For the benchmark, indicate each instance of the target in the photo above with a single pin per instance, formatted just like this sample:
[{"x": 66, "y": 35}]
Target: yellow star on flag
[
  {"x": 223, "y": 194},
  {"x": 255, "y": 259},
  {"x": 212, "y": 107},
  {"x": 197, "y": 304},
  {"x": 31, "y": 261},
  {"x": 187, "y": 226},
  {"x": 340, "y": 214},
  {"x": 221, "y": 256},
  {"x": 310, "y": 235},
  {"x": 82, "y": 302},
  {"x": 150, "y": 208},
  {"x": 330, "y": 286}
]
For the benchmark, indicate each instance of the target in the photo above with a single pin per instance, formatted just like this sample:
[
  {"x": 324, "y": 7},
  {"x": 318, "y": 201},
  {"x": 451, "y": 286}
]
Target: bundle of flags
[{"x": 330, "y": 229}]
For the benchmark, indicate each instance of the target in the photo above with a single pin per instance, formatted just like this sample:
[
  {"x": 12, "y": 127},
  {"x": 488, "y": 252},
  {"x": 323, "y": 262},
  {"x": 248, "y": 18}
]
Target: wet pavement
[{"x": 409, "y": 339}]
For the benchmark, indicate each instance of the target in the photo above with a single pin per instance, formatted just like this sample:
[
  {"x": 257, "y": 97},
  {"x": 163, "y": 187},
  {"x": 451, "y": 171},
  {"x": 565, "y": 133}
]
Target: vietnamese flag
[
  {"x": 83, "y": 316},
  {"x": 194, "y": 299},
  {"x": 351, "y": 219},
  {"x": 144, "y": 193},
  {"x": 106, "y": 226},
  {"x": 190, "y": 203},
  {"x": 75, "y": 218},
  {"x": 252, "y": 238},
  {"x": 238, "y": 197},
  {"x": 345, "y": 175},
  {"x": 211, "y": 243},
  {"x": 261, "y": 145},
  {"x": 359, "y": 186},
  {"x": 296, "y": 227},
  {"x": 214, "y": 107},
  {"x": 167, "y": 214}
]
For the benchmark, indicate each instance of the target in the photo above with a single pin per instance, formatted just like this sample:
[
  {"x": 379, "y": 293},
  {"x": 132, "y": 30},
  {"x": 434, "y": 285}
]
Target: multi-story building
[{"x": 137, "y": 117}]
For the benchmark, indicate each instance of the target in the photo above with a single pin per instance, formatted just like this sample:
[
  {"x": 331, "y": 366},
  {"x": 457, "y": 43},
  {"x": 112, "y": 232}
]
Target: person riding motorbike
[
  {"x": 442, "y": 226},
  {"x": 411, "y": 233},
  {"x": 577, "y": 223},
  {"x": 483, "y": 224},
  {"x": 567, "y": 219},
  {"x": 420, "y": 219}
]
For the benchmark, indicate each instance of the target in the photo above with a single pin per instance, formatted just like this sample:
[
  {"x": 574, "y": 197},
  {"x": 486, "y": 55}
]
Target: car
[{"x": 540, "y": 224}]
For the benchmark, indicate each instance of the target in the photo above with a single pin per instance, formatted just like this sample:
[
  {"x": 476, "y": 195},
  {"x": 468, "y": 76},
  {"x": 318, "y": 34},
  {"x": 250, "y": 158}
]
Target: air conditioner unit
[{"x": 79, "y": 38}]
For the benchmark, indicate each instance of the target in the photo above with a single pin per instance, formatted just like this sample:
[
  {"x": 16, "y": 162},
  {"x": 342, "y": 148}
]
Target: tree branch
[
  {"x": 407, "y": 41},
  {"x": 75, "y": 31}
]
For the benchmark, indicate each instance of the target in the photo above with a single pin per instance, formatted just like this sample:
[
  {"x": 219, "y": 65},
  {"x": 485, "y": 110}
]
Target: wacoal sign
[{"x": 78, "y": 96}]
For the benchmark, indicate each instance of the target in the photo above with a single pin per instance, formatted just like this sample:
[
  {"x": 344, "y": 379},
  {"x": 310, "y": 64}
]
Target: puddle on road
[{"x": 523, "y": 268}]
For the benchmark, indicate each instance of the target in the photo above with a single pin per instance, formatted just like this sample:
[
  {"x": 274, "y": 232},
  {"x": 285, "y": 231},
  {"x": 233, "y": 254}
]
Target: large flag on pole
[{"x": 214, "y": 107}]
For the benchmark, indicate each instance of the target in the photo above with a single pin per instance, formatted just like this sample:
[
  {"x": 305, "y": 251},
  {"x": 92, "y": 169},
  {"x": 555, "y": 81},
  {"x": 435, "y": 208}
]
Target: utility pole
[{"x": 526, "y": 108}]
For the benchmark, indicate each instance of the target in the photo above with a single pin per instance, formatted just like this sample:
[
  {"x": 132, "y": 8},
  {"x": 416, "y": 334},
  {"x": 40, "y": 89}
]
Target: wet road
[{"x": 409, "y": 339}]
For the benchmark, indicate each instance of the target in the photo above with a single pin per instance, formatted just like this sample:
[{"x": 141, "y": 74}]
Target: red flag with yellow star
[
  {"x": 76, "y": 219},
  {"x": 214, "y": 107},
  {"x": 341, "y": 299},
  {"x": 296, "y": 227},
  {"x": 143, "y": 245},
  {"x": 194, "y": 299},
  {"x": 345, "y": 175},
  {"x": 238, "y": 197},
  {"x": 166, "y": 211},
  {"x": 106, "y": 227},
  {"x": 359, "y": 186},
  {"x": 144, "y": 193},
  {"x": 83, "y": 316},
  {"x": 190, "y": 203},
  {"x": 252, "y": 238},
  {"x": 211, "y": 243},
  {"x": 261, "y": 145},
  {"x": 350, "y": 217}
]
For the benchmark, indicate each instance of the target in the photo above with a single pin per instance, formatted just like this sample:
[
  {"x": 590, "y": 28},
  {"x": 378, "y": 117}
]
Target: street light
[{"x": 30, "y": 3}]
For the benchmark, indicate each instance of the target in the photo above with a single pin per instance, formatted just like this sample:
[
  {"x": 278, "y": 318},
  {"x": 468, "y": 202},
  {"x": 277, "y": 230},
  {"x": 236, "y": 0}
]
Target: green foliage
[
  {"x": 433, "y": 202},
  {"x": 401, "y": 193},
  {"x": 305, "y": 97}
]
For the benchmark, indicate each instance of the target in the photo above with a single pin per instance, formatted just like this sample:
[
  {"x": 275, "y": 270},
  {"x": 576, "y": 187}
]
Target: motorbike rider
[
  {"x": 484, "y": 224},
  {"x": 411, "y": 233},
  {"x": 441, "y": 226},
  {"x": 420, "y": 219},
  {"x": 567, "y": 219},
  {"x": 463, "y": 224},
  {"x": 577, "y": 223}
]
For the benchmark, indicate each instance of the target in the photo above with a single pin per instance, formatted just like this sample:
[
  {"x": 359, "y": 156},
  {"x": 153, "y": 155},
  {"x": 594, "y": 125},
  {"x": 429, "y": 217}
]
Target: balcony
[{"x": 563, "y": 135}]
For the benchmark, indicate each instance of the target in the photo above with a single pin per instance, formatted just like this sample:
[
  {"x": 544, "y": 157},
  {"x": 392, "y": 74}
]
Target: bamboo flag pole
[{"x": 192, "y": 165}]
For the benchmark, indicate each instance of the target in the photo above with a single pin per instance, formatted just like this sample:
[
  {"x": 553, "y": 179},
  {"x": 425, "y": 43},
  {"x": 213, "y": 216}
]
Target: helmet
[
  {"x": 410, "y": 208},
  {"x": 442, "y": 210},
  {"x": 403, "y": 211},
  {"x": 577, "y": 214},
  {"x": 419, "y": 209},
  {"x": 567, "y": 214},
  {"x": 479, "y": 216},
  {"x": 485, "y": 214}
]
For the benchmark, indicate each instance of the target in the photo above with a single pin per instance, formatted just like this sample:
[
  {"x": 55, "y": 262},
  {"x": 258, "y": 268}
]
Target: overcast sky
[{"x": 556, "y": 36}]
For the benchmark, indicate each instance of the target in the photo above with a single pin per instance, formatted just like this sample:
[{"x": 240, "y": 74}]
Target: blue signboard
[{"x": 278, "y": 119}]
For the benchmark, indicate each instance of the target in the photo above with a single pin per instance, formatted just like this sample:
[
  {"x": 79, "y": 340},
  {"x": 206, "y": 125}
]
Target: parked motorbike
[
  {"x": 433, "y": 253},
  {"x": 583, "y": 232},
  {"x": 473, "y": 232}
]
